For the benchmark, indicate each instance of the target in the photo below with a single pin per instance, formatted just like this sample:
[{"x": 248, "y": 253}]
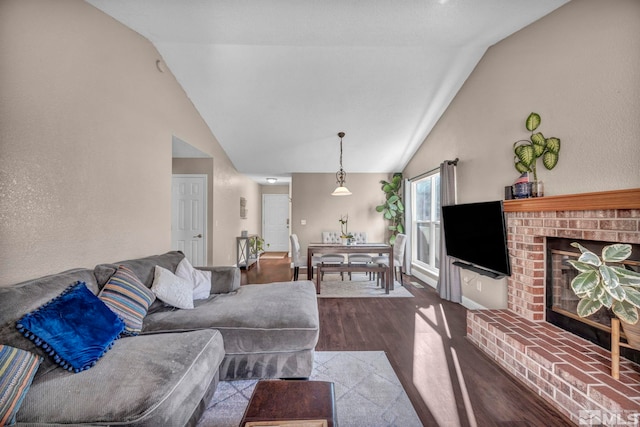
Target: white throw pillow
[
  {"x": 201, "y": 280},
  {"x": 172, "y": 289}
]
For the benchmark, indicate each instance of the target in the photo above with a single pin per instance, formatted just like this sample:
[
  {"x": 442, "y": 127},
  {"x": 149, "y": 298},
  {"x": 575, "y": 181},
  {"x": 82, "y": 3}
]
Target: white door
[
  {"x": 189, "y": 217},
  {"x": 275, "y": 222}
]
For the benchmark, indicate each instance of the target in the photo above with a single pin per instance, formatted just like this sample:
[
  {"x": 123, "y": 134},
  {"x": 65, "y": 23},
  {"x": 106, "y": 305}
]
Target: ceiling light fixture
[
  {"x": 272, "y": 180},
  {"x": 341, "y": 175}
]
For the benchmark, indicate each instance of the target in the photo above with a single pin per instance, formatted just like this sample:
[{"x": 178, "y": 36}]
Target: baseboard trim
[
  {"x": 426, "y": 279},
  {"x": 470, "y": 304}
]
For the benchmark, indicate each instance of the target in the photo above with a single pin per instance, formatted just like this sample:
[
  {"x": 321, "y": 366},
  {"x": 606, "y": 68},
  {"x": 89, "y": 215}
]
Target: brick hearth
[{"x": 570, "y": 373}]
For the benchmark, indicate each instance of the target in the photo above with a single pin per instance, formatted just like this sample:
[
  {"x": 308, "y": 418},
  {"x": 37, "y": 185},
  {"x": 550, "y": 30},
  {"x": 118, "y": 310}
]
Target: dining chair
[
  {"x": 333, "y": 237},
  {"x": 398, "y": 256},
  {"x": 297, "y": 259},
  {"x": 360, "y": 238}
]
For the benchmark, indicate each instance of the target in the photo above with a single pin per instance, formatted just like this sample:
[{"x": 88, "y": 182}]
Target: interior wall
[
  {"x": 86, "y": 127},
  {"x": 579, "y": 68},
  {"x": 313, "y": 203},
  {"x": 274, "y": 189}
]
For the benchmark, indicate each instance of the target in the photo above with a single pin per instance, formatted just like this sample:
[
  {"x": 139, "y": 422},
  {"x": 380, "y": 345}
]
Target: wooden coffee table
[{"x": 291, "y": 402}]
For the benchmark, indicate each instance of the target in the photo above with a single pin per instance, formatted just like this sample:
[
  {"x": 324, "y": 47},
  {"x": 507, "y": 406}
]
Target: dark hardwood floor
[{"x": 449, "y": 381}]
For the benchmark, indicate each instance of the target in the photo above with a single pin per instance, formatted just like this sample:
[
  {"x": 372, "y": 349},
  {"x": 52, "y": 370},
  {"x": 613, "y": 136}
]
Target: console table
[{"x": 245, "y": 246}]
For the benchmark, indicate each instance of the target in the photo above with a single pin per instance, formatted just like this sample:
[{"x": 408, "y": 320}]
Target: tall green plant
[
  {"x": 528, "y": 151},
  {"x": 393, "y": 209}
]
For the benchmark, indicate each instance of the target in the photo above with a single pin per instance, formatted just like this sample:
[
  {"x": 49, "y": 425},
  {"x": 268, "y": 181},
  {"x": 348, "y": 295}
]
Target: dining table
[{"x": 360, "y": 248}]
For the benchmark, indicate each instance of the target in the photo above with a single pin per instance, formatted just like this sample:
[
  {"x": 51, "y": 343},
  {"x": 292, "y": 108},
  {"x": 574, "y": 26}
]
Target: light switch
[{"x": 303, "y": 222}]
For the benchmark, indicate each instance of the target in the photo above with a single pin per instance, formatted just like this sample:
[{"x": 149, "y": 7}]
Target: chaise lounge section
[
  {"x": 269, "y": 330},
  {"x": 168, "y": 373}
]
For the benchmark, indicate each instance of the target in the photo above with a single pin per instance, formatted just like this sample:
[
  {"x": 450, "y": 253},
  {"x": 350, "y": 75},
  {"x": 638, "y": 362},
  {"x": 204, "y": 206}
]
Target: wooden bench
[{"x": 381, "y": 269}]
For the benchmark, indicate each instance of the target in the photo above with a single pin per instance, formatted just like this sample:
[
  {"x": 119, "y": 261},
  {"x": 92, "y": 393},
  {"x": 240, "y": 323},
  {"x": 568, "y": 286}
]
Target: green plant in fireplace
[{"x": 600, "y": 285}]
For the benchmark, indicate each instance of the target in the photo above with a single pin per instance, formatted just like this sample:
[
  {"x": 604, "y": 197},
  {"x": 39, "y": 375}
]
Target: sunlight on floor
[
  {"x": 440, "y": 388},
  {"x": 463, "y": 389}
]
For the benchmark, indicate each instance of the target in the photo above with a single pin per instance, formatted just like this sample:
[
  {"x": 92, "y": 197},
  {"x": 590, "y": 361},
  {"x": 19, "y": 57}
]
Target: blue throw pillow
[{"x": 76, "y": 328}]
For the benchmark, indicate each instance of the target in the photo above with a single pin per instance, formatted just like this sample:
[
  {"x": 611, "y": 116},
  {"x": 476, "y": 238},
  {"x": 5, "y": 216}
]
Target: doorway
[
  {"x": 189, "y": 217},
  {"x": 275, "y": 222}
]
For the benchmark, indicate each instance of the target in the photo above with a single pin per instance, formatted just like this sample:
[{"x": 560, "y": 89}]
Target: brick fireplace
[{"x": 570, "y": 373}]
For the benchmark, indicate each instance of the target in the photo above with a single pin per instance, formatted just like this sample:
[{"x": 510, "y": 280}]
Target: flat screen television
[{"x": 476, "y": 235}]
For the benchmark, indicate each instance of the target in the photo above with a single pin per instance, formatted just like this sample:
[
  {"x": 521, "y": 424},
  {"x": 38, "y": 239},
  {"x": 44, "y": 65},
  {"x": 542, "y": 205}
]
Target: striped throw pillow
[
  {"x": 126, "y": 296},
  {"x": 17, "y": 369}
]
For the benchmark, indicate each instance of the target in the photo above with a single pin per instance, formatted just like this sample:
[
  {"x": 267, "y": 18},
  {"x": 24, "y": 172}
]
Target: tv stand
[{"x": 478, "y": 270}]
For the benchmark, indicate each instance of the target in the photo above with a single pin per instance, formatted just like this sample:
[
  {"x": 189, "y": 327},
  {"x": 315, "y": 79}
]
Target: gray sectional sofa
[{"x": 167, "y": 374}]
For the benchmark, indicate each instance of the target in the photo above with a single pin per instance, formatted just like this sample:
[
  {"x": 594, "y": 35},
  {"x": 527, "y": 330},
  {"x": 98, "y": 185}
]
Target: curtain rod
[{"x": 450, "y": 162}]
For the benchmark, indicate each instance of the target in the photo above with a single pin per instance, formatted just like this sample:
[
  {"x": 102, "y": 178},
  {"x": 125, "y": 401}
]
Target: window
[{"x": 425, "y": 194}]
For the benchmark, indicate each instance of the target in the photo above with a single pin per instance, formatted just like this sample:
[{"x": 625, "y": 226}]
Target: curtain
[
  {"x": 408, "y": 221},
  {"x": 449, "y": 286}
]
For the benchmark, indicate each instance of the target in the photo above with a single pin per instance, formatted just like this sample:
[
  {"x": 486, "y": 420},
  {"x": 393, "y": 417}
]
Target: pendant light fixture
[{"x": 341, "y": 175}]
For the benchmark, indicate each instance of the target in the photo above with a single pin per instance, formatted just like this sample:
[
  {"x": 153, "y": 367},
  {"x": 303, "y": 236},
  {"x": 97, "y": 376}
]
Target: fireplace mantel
[{"x": 616, "y": 199}]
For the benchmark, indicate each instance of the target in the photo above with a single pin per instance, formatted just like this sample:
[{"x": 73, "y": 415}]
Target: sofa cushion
[
  {"x": 274, "y": 317},
  {"x": 22, "y": 298},
  {"x": 143, "y": 268},
  {"x": 126, "y": 296},
  {"x": 223, "y": 279},
  {"x": 17, "y": 369},
  {"x": 200, "y": 279},
  {"x": 147, "y": 380},
  {"x": 172, "y": 289},
  {"x": 76, "y": 328}
]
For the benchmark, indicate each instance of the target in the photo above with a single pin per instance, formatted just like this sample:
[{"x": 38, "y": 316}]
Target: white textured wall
[
  {"x": 86, "y": 124},
  {"x": 579, "y": 68}
]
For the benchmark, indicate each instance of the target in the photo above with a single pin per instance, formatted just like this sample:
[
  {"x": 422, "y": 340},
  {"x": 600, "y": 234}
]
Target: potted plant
[
  {"x": 612, "y": 286},
  {"x": 347, "y": 238},
  {"x": 528, "y": 151},
  {"x": 256, "y": 245},
  {"x": 393, "y": 209}
]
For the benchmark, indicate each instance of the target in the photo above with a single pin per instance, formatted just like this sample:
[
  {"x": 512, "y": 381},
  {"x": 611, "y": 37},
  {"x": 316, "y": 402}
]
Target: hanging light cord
[{"x": 341, "y": 175}]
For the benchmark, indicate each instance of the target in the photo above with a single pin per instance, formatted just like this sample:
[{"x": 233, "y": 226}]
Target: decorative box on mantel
[{"x": 567, "y": 371}]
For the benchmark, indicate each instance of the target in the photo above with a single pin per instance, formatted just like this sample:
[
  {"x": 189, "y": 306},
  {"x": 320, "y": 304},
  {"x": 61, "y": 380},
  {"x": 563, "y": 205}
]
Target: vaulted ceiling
[{"x": 276, "y": 80}]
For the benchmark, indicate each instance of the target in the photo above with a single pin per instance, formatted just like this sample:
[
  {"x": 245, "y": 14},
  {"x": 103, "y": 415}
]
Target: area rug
[
  {"x": 367, "y": 390},
  {"x": 273, "y": 255},
  {"x": 358, "y": 287}
]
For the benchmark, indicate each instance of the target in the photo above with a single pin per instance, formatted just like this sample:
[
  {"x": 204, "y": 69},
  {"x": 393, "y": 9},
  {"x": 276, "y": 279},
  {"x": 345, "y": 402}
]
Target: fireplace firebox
[{"x": 561, "y": 302}]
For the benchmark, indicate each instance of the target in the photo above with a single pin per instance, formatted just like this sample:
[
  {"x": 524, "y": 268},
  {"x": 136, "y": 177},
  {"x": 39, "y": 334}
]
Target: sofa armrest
[{"x": 223, "y": 279}]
